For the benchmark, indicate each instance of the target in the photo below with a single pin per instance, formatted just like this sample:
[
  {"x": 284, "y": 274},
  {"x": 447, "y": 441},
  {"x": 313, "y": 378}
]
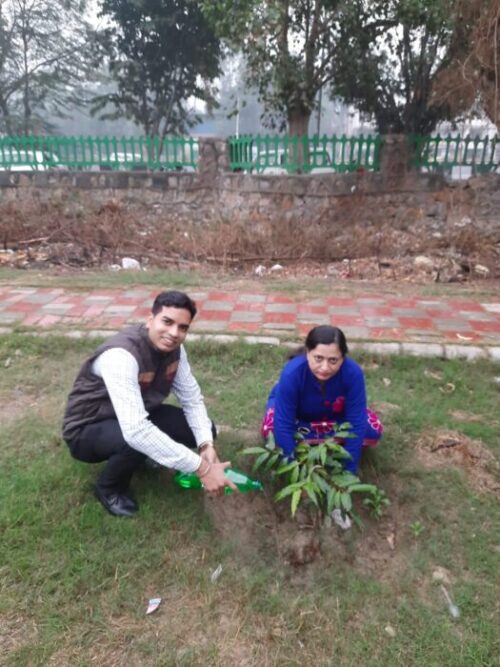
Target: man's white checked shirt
[{"x": 119, "y": 371}]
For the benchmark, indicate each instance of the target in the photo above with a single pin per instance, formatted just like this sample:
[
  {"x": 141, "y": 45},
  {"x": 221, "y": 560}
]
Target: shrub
[{"x": 316, "y": 475}]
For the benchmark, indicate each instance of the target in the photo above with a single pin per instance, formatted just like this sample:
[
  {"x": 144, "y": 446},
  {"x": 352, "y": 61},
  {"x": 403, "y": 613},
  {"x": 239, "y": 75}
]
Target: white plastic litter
[
  {"x": 216, "y": 574},
  {"x": 130, "y": 264},
  {"x": 389, "y": 630},
  {"x": 153, "y": 605},
  {"x": 342, "y": 521},
  {"x": 452, "y": 608}
]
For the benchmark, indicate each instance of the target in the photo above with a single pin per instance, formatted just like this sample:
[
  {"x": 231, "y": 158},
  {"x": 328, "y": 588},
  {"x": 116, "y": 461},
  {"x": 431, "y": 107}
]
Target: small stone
[
  {"x": 130, "y": 264},
  {"x": 481, "y": 270},
  {"x": 389, "y": 630},
  {"x": 441, "y": 575},
  {"x": 423, "y": 261}
]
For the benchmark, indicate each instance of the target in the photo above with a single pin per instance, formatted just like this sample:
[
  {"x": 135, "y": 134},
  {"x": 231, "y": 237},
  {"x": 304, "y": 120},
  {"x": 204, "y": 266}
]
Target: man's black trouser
[{"x": 103, "y": 441}]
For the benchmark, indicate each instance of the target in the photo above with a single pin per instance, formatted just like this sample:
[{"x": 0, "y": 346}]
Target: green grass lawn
[
  {"x": 210, "y": 277},
  {"x": 75, "y": 581}
]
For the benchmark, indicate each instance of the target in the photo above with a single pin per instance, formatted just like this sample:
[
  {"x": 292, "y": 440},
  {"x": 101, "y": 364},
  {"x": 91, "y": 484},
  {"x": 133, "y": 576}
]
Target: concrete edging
[{"x": 424, "y": 350}]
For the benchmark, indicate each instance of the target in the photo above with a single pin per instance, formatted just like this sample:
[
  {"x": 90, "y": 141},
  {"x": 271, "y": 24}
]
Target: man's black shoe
[{"x": 116, "y": 503}]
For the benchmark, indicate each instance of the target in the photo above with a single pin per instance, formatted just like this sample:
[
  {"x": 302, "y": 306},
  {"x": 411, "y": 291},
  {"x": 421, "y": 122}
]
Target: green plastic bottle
[{"x": 190, "y": 480}]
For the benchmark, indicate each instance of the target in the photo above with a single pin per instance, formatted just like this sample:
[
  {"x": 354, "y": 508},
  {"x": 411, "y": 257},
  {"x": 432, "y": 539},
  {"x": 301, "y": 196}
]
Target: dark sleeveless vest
[{"x": 89, "y": 402}]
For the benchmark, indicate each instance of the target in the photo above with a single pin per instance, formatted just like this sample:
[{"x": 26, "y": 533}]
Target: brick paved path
[{"x": 406, "y": 321}]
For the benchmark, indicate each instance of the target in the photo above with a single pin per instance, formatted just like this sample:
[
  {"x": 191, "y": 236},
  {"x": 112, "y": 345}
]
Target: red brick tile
[
  {"x": 21, "y": 307},
  {"x": 77, "y": 311},
  {"x": 279, "y": 298},
  {"x": 416, "y": 323},
  {"x": 218, "y": 315},
  {"x": 280, "y": 318},
  {"x": 94, "y": 311},
  {"x": 141, "y": 312},
  {"x": 375, "y": 311},
  {"x": 402, "y": 303},
  {"x": 304, "y": 328},
  {"x": 386, "y": 334},
  {"x": 30, "y": 320},
  {"x": 340, "y": 301},
  {"x": 345, "y": 320},
  {"x": 466, "y": 305},
  {"x": 49, "y": 320},
  {"x": 248, "y": 327},
  {"x": 249, "y": 307},
  {"x": 443, "y": 314},
  {"x": 223, "y": 296},
  {"x": 116, "y": 322},
  {"x": 305, "y": 309},
  {"x": 485, "y": 326}
]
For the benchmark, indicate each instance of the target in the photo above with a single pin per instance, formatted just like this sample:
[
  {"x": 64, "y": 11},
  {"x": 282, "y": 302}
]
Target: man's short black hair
[{"x": 173, "y": 299}]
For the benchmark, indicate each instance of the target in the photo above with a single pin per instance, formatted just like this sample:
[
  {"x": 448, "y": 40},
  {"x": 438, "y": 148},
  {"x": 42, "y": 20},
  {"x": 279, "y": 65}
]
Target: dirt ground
[
  {"x": 264, "y": 527},
  {"x": 61, "y": 236}
]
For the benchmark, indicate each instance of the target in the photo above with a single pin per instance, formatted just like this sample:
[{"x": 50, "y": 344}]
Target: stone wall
[{"x": 394, "y": 196}]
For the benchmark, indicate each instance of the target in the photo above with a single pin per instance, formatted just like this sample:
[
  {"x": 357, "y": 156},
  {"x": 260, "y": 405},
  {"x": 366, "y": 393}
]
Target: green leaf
[
  {"x": 367, "y": 488},
  {"x": 295, "y": 501},
  {"x": 288, "y": 490},
  {"x": 323, "y": 455},
  {"x": 286, "y": 467},
  {"x": 344, "y": 479},
  {"x": 311, "y": 492},
  {"x": 254, "y": 450},
  {"x": 321, "y": 482},
  {"x": 330, "y": 501},
  {"x": 270, "y": 441},
  {"x": 356, "y": 520},
  {"x": 346, "y": 501},
  {"x": 294, "y": 477},
  {"x": 260, "y": 460},
  {"x": 272, "y": 460}
]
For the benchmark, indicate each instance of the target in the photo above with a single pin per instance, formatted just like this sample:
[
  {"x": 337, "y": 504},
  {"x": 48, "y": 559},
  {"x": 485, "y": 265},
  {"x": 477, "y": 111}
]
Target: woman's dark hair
[
  {"x": 322, "y": 335},
  {"x": 326, "y": 335},
  {"x": 173, "y": 299}
]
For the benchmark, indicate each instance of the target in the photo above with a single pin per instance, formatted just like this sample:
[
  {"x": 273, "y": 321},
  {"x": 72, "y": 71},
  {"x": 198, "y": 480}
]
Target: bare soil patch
[
  {"x": 14, "y": 404},
  {"x": 258, "y": 527},
  {"x": 16, "y": 632},
  {"x": 437, "y": 448}
]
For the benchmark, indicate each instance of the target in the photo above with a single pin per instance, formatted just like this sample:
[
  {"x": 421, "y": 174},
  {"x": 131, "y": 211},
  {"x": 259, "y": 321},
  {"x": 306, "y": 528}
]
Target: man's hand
[{"x": 213, "y": 477}]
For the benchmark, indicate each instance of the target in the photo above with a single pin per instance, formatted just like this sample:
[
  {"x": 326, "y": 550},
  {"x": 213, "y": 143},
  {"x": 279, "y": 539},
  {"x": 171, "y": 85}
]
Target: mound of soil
[{"x": 438, "y": 447}]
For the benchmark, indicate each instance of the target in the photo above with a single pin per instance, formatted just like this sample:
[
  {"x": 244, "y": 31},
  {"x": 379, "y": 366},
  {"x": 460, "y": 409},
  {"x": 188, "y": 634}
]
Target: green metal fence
[
  {"x": 255, "y": 154},
  {"x": 42, "y": 153},
  {"x": 273, "y": 154},
  {"x": 481, "y": 154}
]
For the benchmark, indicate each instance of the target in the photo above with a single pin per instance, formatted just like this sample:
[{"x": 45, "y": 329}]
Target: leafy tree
[
  {"x": 160, "y": 54},
  {"x": 389, "y": 53},
  {"x": 288, "y": 46},
  {"x": 473, "y": 73},
  {"x": 43, "y": 59}
]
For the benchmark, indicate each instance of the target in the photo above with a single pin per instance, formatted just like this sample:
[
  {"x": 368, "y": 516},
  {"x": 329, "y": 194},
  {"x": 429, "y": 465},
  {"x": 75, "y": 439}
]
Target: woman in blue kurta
[{"x": 318, "y": 388}]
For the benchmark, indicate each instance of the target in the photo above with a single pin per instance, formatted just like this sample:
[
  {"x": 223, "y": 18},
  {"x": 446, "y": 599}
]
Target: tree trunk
[{"x": 298, "y": 125}]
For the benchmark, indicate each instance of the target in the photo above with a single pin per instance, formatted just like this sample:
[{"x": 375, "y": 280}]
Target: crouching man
[{"x": 115, "y": 411}]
